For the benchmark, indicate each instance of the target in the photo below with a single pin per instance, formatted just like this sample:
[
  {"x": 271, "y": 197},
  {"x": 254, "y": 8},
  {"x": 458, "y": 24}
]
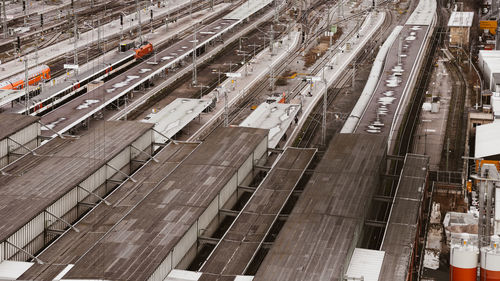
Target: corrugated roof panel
[
  {"x": 461, "y": 19},
  {"x": 365, "y": 263}
]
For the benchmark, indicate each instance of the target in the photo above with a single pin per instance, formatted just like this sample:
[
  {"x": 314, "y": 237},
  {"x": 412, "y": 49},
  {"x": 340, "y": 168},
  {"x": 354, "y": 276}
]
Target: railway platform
[{"x": 113, "y": 28}]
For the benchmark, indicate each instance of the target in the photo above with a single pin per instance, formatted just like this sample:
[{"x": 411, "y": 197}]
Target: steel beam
[
  {"x": 120, "y": 172},
  {"x": 92, "y": 193},
  {"x": 63, "y": 221},
  {"x": 147, "y": 154},
  {"x": 24, "y": 251}
]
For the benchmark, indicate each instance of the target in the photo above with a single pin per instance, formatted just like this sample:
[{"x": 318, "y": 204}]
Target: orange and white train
[{"x": 35, "y": 75}]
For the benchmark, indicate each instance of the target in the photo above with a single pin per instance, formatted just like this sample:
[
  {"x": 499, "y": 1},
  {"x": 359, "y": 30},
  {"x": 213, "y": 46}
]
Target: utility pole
[
  {"x": 191, "y": 9},
  {"x": 447, "y": 152},
  {"x": 36, "y": 52},
  {"x": 254, "y": 45},
  {"x": 325, "y": 103},
  {"x": 230, "y": 65},
  {"x": 201, "y": 86},
  {"x": 271, "y": 79},
  {"x": 226, "y": 110},
  {"x": 151, "y": 19},
  {"x": 239, "y": 45},
  {"x": 195, "y": 78},
  {"x": 328, "y": 28},
  {"x": 99, "y": 33},
  {"x": 271, "y": 41},
  {"x": 341, "y": 8},
  {"x": 5, "y": 31},
  {"x": 26, "y": 84},
  {"x": 24, "y": 13},
  {"x": 353, "y": 75},
  {"x": 138, "y": 11},
  {"x": 76, "y": 42},
  {"x": 244, "y": 54},
  {"x": 166, "y": 19},
  {"x": 121, "y": 27},
  {"x": 275, "y": 10},
  {"x": 400, "y": 49}
]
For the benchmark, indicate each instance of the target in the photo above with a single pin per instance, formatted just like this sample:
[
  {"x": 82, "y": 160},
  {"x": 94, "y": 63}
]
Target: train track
[
  {"x": 112, "y": 14},
  {"x": 454, "y": 139},
  {"x": 263, "y": 85},
  {"x": 93, "y": 51},
  {"x": 259, "y": 88},
  {"x": 54, "y": 27},
  {"x": 312, "y": 125}
]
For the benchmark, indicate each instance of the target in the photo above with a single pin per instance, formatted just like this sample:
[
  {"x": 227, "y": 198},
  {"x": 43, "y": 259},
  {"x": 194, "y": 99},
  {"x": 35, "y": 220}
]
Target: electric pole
[
  {"x": 226, "y": 110},
  {"x": 5, "y": 31},
  {"x": 139, "y": 19},
  {"x": 201, "y": 86},
  {"x": 26, "y": 84},
  {"x": 353, "y": 75},
  {"x": 400, "y": 49},
  {"x": 341, "y": 8},
  {"x": 325, "y": 103},
  {"x": 195, "y": 78},
  {"x": 76, "y": 42}
]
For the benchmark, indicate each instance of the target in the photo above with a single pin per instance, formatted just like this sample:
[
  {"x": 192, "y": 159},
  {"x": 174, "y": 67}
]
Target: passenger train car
[{"x": 35, "y": 75}]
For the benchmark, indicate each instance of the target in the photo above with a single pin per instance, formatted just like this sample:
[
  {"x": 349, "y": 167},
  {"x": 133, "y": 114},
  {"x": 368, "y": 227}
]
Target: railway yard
[{"x": 249, "y": 140}]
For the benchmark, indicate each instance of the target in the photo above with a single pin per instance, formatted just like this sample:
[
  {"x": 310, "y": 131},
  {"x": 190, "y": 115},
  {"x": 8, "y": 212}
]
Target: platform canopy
[
  {"x": 174, "y": 117},
  {"x": 276, "y": 117},
  {"x": 6, "y": 96}
]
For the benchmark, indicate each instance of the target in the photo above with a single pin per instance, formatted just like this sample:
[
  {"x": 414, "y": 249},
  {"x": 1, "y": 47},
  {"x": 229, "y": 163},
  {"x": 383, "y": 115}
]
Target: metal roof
[
  {"x": 487, "y": 140},
  {"x": 402, "y": 225},
  {"x": 276, "y": 117},
  {"x": 365, "y": 264},
  {"x": 248, "y": 231},
  {"x": 6, "y": 96},
  {"x": 423, "y": 13},
  {"x": 461, "y": 19},
  {"x": 56, "y": 169},
  {"x": 247, "y": 9},
  {"x": 72, "y": 113},
  {"x": 175, "y": 116},
  {"x": 315, "y": 241},
  {"x": 150, "y": 217},
  {"x": 11, "y": 123}
]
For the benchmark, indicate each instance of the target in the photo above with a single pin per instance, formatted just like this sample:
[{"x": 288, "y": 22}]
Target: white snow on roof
[
  {"x": 175, "y": 116},
  {"x": 487, "y": 140},
  {"x": 246, "y": 9},
  {"x": 183, "y": 275},
  {"x": 7, "y": 96},
  {"x": 365, "y": 264},
  {"x": 276, "y": 117},
  {"x": 423, "y": 13},
  {"x": 461, "y": 19},
  {"x": 11, "y": 270}
]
